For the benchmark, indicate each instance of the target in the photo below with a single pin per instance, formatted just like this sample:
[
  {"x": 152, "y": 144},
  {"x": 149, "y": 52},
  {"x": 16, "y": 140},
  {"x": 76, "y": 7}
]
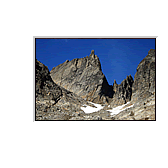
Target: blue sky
[{"x": 118, "y": 57}]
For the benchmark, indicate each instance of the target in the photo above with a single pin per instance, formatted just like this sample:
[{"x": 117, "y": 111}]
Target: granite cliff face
[
  {"x": 63, "y": 93},
  {"x": 144, "y": 80},
  {"x": 84, "y": 77},
  {"x": 143, "y": 91}
]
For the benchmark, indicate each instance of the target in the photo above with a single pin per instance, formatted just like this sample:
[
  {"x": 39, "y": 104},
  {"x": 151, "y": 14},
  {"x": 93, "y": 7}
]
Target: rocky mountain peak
[
  {"x": 151, "y": 51},
  {"x": 84, "y": 77},
  {"x": 150, "y": 57},
  {"x": 115, "y": 83},
  {"x": 144, "y": 79},
  {"x": 92, "y": 52},
  {"x": 92, "y": 55}
]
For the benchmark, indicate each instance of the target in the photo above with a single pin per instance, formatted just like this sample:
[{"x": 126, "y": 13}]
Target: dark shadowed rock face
[
  {"x": 84, "y": 77},
  {"x": 45, "y": 87},
  {"x": 122, "y": 93},
  {"x": 144, "y": 79}
]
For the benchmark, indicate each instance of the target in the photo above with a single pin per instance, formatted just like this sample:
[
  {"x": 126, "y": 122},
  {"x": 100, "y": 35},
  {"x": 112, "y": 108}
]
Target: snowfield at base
[
  {"x": 118, "y": 109},
  {"x": 89, "y": 109},
  {"x": 114, "y": 111}
]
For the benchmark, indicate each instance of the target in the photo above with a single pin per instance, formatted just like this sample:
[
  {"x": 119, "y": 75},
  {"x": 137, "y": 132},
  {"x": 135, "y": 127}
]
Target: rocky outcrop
[
  {"x": 143, "y": 92},
  {"x": 84, "y": 77},
  {"x": 144, "y": 79},
  {"x": 46, "y": 89},
  {"x": 52, "y": 101},
  {"x": 122, "y": 93}
]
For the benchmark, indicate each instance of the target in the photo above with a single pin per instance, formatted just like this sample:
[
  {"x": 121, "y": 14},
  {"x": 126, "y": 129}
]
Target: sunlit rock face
[{"x": 84, "y": 77}]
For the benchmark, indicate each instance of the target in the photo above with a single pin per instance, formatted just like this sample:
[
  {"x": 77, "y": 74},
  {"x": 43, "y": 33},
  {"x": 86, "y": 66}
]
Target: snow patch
[
  {"x": 114, "y": 111},
  {"x": 118, "y": 109},
  {"x": 89, "y": 109}
]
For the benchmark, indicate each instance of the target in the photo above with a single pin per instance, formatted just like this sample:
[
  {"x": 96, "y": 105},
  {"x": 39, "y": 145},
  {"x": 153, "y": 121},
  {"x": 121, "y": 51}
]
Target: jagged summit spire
[
  {"x": 92, "y": 52},
  {"x": 92, "y": 55},
  {"x": 115, "y": 81}
]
